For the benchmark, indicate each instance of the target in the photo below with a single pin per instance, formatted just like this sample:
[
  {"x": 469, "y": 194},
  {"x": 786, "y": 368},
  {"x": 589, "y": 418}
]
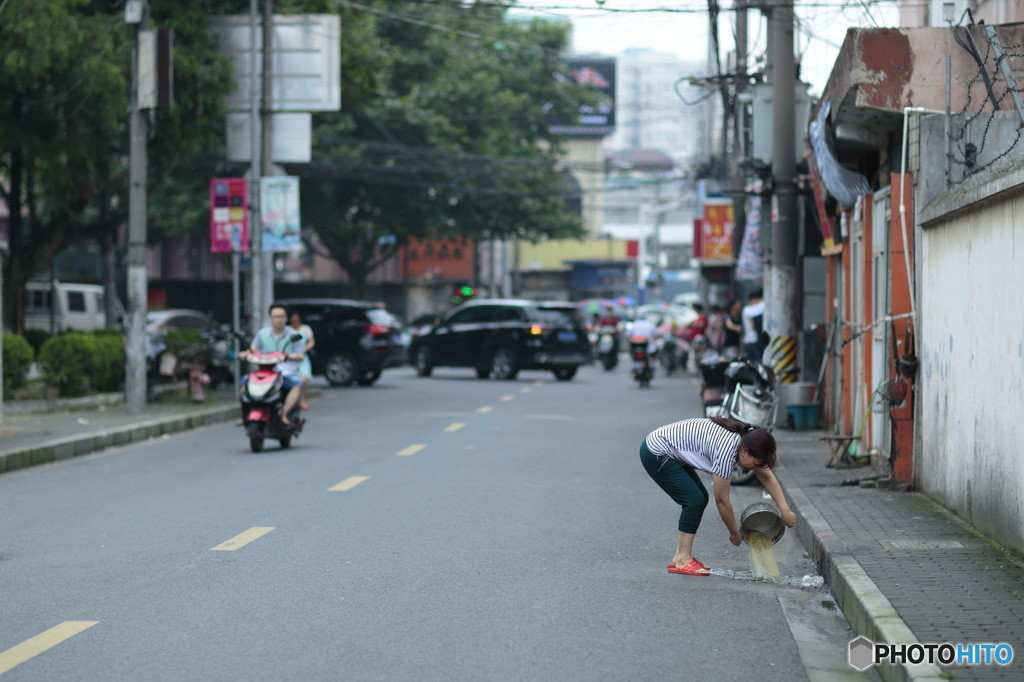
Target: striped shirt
[{"x": 701, "y": 443}]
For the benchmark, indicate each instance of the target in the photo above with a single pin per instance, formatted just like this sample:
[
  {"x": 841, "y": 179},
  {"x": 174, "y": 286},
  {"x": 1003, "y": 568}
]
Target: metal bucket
[{"x": 763, "y": 517}]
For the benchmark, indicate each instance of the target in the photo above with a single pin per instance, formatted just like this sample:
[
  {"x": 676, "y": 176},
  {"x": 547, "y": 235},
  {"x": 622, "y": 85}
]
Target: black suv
[
  {"x": 499, "y": 337},
  {"x": 355, "y": 340}
]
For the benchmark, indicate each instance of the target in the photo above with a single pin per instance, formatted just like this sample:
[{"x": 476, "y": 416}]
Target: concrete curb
[
  {"x": 76, "y": 446},
  {"x": 869, "y": 611}
]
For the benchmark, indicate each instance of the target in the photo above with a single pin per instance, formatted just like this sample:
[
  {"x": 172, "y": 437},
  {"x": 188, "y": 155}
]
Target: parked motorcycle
[
  {"x": 643, "y": 371},
  {"x": 221, "y": 367},
  {"x": 263, "y": 397},
  {"x": 608, "y": 346},
  {"x": 741, "y": 390}
]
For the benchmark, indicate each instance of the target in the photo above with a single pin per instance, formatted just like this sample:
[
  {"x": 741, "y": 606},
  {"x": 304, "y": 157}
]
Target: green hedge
[
  {"x": 110, "y": 356},
  {"x": 36, "y": 338},
  {"x": 71, "y": 363},
  {"x": 18, "y": 356}
]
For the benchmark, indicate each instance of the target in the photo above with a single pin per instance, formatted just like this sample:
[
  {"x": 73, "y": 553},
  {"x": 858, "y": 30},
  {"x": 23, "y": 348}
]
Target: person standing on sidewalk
[
  {"x": 753, "y": 322},
  {"x": 672, "y": 456}
]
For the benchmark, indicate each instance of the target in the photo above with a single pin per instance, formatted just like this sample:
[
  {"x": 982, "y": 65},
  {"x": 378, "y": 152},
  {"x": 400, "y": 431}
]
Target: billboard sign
[
  {"x": 306, "y": 51},
  {"x": 595, "y": 120}
]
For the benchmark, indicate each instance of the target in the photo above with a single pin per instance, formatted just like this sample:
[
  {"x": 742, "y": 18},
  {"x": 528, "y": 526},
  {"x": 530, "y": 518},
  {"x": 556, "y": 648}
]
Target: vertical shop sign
[{"x": 229, "y": 215}]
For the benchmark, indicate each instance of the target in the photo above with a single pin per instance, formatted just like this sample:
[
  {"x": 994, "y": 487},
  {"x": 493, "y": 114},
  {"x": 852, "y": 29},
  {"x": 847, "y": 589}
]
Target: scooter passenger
[{"x": 277, "y": 338}]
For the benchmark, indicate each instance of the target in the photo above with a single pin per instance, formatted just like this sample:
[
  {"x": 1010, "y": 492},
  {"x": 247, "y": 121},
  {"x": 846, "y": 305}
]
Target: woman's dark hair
[{"x": 760, "y": 443}]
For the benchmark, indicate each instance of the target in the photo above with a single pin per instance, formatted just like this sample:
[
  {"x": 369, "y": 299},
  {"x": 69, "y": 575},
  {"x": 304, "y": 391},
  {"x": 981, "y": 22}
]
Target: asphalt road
[{"x": 447, "y": 528}]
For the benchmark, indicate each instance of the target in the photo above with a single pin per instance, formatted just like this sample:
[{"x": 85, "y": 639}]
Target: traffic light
[{"x": 463, "y": 293}]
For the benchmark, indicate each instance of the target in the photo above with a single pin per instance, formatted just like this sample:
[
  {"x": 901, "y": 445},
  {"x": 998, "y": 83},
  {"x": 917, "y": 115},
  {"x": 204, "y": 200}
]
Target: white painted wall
[{"x": 970, "y": 412}]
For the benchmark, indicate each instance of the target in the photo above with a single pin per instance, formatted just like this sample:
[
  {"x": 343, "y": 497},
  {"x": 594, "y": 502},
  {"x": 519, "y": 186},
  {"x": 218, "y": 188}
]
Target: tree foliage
[
  {"x": 64, "y": 99},
  {"x": 443, "y": 131}
]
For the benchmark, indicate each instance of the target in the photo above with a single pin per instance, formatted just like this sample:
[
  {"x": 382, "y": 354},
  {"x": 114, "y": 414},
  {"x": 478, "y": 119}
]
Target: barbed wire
[{"x": 967, "y": 150}]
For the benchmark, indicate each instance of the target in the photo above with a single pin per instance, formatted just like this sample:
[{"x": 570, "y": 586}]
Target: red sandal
[
  {"x": 694, "y": 567},
  {"x": 697, "y": 560}
]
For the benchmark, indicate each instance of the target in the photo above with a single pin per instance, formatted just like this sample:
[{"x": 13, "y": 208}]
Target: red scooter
[{"x": 263, "y": 398}]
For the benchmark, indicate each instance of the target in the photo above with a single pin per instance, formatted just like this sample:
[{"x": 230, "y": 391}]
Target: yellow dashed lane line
[
  {"x": 412, "y": 449},
  {"x": 454, "y": 427},
  {"x": 348, "y": 483},
  {"x": 485, "y": 409},
  {"x": 34, "y": 646},
  {"x": 243, "y": 538},
  {"x": 506, "y": 398}
]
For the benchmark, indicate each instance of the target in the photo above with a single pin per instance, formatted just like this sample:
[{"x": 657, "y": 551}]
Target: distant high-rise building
[{"x": 656, "y": 106}]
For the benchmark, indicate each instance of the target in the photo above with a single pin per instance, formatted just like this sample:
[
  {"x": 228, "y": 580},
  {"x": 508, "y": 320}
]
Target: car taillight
[
  {"x": 375, "y": 329},
  {"x": 537, "y": 329}
]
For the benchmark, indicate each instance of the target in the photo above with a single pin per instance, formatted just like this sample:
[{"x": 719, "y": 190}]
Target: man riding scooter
[
  {"x": 643, "y": 340},
  {"x": 607, "y": 329},
  {"x": 695, "y": 333},
  {"x": 278, "y": 338}
]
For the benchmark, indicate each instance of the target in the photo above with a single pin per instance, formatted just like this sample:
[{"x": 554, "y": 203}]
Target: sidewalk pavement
[
  {"x": 902, "y": 568},
  {"x": 39, "y": 438}
]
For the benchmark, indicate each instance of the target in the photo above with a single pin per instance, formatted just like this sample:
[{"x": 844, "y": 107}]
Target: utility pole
[
  {"x": 136, "y": 12},
  {"x": 257, "y": 305},
  {"x": 781, "y": 300},
  {"x": 739, "y": 174},
  {"x": 267, "y": 147}
]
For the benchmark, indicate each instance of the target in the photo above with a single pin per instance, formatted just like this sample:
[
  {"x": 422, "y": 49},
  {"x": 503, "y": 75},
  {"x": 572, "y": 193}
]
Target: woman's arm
[
  {"x": 312, "y": 341},
  {"x": 722, "y": 487},
  {"x": 772, "y": 487}
]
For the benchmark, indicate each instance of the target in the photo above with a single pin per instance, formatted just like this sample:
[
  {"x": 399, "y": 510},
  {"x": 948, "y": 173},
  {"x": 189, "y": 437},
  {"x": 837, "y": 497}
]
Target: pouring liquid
[{"x": 762, "y": 556}]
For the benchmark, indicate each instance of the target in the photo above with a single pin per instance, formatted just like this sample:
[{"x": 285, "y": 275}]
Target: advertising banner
[
  {"x": 597, "y": 119},
  {"x": 229, "y": 215},
  {"x": 716, "y": 230},
  {"x": 279, "y": 213}
]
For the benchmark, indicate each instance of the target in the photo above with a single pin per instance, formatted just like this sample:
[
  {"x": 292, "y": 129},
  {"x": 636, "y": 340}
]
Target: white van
[{"x": 79, "y": 307}]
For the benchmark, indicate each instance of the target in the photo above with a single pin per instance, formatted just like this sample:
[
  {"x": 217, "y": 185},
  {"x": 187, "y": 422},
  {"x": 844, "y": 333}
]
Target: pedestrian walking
[
  {"x": 753, "y": 324},
  {"x": 672, "y": 456},
  {"x": 733, "y": 329}
]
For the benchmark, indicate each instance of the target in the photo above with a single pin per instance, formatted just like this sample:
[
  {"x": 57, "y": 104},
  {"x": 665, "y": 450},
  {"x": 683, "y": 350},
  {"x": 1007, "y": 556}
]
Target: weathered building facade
[{"x": 917, "y": 172}]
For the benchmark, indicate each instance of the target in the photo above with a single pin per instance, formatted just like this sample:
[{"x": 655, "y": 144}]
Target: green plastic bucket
[{"x": 802, "y": 416}]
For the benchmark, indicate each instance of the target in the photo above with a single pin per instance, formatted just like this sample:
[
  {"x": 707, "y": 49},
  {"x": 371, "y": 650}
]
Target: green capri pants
[{"x": 682, "y": 484}]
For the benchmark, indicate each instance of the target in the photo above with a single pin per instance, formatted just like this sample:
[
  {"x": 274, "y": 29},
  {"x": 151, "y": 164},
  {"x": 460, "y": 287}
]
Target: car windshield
[{"x": 556, "y": 315}]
